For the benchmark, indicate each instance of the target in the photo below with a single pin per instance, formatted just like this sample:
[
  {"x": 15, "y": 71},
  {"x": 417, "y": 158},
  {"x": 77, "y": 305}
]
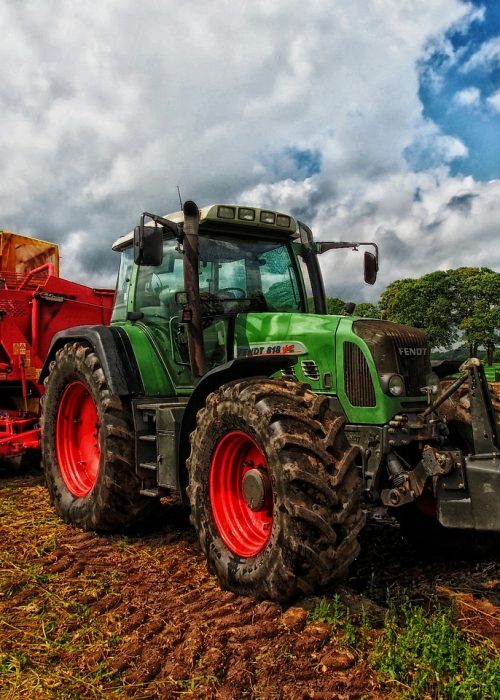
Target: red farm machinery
[{"x": 35, "y": 303}]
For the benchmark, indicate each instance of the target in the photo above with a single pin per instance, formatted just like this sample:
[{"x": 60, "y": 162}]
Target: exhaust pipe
[{"x": 192, "y": 288}]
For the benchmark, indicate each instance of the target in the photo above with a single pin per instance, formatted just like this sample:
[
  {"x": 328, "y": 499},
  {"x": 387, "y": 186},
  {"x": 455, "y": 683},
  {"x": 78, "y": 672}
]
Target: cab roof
[{"x": 229, "y": 215}]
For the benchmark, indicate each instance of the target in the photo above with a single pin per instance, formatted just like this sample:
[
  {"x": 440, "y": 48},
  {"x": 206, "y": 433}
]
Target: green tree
[
  {"x": 477, "y": 307},
  {"x": 334, "y": 305},
  {"x": 367, "y": 310},
  {"x": 426, "y": 302},
  {"x": 457, "y": 304}
]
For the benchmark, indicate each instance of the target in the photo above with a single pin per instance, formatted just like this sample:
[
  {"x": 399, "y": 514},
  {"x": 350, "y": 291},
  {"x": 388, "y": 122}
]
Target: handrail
[{"x": 46, "y": 266}]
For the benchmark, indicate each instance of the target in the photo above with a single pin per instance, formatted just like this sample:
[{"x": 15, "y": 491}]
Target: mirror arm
[
  {"x": 166, "y": 223},
  {"x": 324, "y": 246}
]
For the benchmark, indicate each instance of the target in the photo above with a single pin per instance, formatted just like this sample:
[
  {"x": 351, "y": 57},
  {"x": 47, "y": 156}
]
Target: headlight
[
  {"x": 396, "y": 385},
  {"x": 393, "y": 384},
  {"x": 432, "y": 381}
]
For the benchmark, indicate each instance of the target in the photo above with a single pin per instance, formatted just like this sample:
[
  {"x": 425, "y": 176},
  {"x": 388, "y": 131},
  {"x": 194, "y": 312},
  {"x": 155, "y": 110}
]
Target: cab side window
[
  {"x": 156, "y": 286},
  {"x": 122, "y": 285}
]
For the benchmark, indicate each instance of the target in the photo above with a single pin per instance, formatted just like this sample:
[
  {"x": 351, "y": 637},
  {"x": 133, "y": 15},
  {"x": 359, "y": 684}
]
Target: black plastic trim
[{"x": 128, "y": 359}]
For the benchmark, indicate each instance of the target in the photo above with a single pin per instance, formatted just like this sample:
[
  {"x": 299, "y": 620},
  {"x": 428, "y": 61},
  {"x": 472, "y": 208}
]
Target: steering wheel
[{"x": 239, "y": 290}]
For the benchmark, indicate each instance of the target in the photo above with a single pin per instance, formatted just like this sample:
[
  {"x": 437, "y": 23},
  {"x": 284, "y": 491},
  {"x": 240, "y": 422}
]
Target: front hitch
[{"x": 466, "y": 486}]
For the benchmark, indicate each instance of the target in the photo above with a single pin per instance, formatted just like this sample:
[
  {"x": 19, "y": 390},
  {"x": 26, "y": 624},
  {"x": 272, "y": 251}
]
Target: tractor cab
[
  {"x": 247, "y": 261},
  {"x": 244, "y": 265}
]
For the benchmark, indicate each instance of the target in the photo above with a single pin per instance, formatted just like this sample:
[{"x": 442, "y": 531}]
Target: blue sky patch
[
  {"x": 460, "y": 92},
  {"x": 295, "y": 163}
]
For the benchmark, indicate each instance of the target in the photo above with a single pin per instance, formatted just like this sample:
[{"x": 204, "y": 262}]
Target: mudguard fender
[{"x": 113, "y": 349}]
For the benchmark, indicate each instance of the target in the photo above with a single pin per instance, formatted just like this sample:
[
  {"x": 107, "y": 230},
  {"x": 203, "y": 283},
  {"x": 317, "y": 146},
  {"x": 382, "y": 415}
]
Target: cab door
[{"x": 155, "y": 291}]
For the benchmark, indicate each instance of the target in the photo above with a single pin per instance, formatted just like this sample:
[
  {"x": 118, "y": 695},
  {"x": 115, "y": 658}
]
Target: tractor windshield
[{"x": 236, "y": 275}]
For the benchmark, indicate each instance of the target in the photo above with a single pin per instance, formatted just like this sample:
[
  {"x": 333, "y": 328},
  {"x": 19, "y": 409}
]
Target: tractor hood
[
  {"x": 309, "y": 336},
  {"x": 346, "y": 356}
]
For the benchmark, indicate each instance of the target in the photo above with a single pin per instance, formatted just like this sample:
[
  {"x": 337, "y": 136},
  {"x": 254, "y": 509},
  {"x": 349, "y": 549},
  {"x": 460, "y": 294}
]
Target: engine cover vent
[
  {"x": 357, "y": 379},
  {"x": 310, "y": 369},
  {"x": 289, "y": 373}
]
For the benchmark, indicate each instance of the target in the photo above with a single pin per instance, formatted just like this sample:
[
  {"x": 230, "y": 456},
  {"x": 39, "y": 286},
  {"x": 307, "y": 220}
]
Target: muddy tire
[
  {"x": 88, "y": 446},
  {"x": 274, "y": 489}
]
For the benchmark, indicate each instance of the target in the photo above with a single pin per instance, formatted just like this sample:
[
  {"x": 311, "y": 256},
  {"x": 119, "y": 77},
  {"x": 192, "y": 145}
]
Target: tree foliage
[
  {"x": 334, "y": 305},
  {"x": 367, "y": 310},
  {"x": 461, "y": 304}
]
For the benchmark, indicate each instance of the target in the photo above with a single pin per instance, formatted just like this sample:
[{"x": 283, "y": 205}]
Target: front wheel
[
  {"x": 274, "y": 489},
  {"x": 88, "y": 446}
]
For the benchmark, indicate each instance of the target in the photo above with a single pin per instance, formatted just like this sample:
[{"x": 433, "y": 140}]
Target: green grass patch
[
  {"x": 419, "y": 654},
  {"x": 349, "y": 630},
  {"x": 426, "y": 656}
]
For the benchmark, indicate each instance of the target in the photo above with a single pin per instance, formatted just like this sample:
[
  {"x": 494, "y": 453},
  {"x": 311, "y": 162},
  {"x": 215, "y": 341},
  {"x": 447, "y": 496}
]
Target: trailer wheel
[
  {"x": 88, "y": 446},
  {"x": 274, "y": 489}
]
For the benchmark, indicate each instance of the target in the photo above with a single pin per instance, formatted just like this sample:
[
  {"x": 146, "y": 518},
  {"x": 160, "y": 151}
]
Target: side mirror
[
  {"x": 148, "y": 245},
  {"x": 371, "y": 268}
]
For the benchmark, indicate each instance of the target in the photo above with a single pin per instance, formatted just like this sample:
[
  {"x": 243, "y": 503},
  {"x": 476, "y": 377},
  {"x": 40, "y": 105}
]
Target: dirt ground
[{"x": 83, "y": 615}]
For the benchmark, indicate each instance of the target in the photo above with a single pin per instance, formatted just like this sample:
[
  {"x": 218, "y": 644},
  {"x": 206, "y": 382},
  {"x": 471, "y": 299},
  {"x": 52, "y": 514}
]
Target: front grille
[
  {"x": 397, "y": 349},
  {"x": 357, "y": 379}
]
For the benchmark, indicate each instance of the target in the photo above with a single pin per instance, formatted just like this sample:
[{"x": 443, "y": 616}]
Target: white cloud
[
  {"x": 473, "y": 14},
  {"x": 494, "y": 101},
  {"x": 468, "y": 97},
  {"x": 433, "y": 74},
  {"x": 487, "y": 55},
  {"x": 421, "y": 221},
  {"x": 107, "y": 108}
]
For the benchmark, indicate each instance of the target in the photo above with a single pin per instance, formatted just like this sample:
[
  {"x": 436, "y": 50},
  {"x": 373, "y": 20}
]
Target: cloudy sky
[{"x": 368, "y": 119}]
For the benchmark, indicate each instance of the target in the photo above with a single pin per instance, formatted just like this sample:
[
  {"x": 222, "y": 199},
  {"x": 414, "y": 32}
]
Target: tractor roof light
[
  {"x": 224, "y": 212},
  {"x": 246, "y": 214},
  {"x": 282, "y": 220},
  {"x": 267, "y": 217}
]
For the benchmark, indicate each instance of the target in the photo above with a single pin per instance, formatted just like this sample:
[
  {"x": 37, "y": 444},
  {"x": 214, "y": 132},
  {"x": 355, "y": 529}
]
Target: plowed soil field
[{"x": 84, "y": 615}]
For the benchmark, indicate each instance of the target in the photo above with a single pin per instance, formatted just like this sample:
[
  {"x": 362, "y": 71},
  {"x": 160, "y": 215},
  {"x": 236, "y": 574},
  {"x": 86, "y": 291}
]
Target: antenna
[{"x": 179, "y": 193}]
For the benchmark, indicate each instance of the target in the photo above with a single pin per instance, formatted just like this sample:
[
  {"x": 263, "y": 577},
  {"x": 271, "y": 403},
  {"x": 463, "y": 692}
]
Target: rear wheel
[
  {"x": 274, "y": 489},
  {"x": 88, "y": 446}
]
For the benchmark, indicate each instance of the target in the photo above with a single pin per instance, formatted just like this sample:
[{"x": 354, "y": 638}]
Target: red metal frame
[
  {"x": 18, "y": 432},
  {"x": 33, "y": 307}
]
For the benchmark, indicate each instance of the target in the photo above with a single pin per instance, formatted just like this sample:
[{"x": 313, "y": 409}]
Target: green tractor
[{"x": 274, "y": 421}]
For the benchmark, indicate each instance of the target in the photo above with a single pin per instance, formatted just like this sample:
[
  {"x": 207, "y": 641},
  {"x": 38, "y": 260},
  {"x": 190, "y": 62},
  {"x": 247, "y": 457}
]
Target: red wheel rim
[
  {"x": 77, "y": 439},
  {"x": 244, "y": 531}
]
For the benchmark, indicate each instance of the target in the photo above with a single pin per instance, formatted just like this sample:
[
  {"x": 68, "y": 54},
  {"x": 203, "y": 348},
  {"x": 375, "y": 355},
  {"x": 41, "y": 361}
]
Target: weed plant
[
  {"x": 419, "y": 654},
  {"x": 426, "y": 656}
]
